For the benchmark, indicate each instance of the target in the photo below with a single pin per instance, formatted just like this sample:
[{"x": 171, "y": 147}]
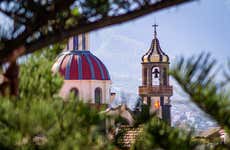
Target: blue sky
[{"x": 184, "y": 30}]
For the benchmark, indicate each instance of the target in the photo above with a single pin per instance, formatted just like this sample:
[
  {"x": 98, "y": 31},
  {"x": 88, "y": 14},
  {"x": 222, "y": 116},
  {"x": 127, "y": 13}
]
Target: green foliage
[
  {"x": 75, "y": 11},
  {"x": 38, "y": 119},
  {"x": 197, "y": 78},
  {"x": 36, "y": 78},
  {"x": 60, "y": 125},
  {"x": 159, "y": 135}
]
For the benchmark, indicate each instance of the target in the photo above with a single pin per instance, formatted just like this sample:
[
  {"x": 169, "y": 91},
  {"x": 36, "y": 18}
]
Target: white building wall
[{"x": 86, "y": 89}]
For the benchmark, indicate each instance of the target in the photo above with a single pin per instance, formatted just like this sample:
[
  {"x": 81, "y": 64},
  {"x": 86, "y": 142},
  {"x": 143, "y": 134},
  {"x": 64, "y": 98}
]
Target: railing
[{"x": 156, "y": 90}]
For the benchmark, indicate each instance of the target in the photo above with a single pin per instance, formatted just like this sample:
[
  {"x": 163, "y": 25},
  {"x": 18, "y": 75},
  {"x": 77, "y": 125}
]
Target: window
[
  {"x": 75, "y": 92},
  {"x": 155, "y": 76},
  {"x": 98, "y": 95}
]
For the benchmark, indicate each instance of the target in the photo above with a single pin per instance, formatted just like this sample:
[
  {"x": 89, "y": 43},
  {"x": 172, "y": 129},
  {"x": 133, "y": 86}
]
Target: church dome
[
  {"x": 80, "y": 65},
  {"x": 155, "y": 53}
]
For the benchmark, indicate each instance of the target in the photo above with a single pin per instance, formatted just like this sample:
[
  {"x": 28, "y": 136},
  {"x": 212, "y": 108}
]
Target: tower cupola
[{"x": 155, "y": 53}]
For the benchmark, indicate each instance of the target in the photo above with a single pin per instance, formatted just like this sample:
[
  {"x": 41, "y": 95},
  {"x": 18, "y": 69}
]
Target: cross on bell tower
[
  {"x": 155, "y": 30},
  {"x": 155, "y": 89}
]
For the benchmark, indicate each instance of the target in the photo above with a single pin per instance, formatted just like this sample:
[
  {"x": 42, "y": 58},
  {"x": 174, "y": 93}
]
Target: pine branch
[
  {"x": 159, "y": 135},
  {"x": 202, "y": 88},
  {"x": 93, "y": 17}
]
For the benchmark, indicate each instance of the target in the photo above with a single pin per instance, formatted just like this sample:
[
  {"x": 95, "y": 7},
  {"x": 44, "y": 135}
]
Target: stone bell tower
[{"x": 155, "y": 89}]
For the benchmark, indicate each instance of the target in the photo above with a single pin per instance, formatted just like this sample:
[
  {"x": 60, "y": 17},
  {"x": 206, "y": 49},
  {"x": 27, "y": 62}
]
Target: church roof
[
  {"x": 155, "y": 53},
  {"x": 79, "y": 64}
]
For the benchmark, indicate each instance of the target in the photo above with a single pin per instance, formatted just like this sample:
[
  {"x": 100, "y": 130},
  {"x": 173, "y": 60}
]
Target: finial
[{"x": 155, "y": 30}]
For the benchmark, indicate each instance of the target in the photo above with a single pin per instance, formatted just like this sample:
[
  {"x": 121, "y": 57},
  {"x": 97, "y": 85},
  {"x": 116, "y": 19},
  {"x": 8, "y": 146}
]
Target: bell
[{"x": 156, "y": 72}]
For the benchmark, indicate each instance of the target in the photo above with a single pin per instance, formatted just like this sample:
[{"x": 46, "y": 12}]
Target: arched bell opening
[{"x": 155, "y": 76}]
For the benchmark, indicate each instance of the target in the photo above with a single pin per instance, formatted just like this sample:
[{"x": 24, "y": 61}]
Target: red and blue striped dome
[{"x": 80, "y": 65}]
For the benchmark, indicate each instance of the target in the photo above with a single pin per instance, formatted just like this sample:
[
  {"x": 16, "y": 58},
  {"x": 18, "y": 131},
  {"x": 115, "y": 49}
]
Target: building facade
[{"x": 155, "y": 90}]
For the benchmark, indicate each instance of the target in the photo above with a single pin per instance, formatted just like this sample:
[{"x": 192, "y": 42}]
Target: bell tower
[{"x": 155, "y": 90}]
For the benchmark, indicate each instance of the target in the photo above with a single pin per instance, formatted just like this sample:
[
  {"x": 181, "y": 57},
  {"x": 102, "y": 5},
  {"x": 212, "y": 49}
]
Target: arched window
[
  {"x": 98, "y": 95},
  {"x": 155, "y": 76},
  {"x": 75, "y": 91}
]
